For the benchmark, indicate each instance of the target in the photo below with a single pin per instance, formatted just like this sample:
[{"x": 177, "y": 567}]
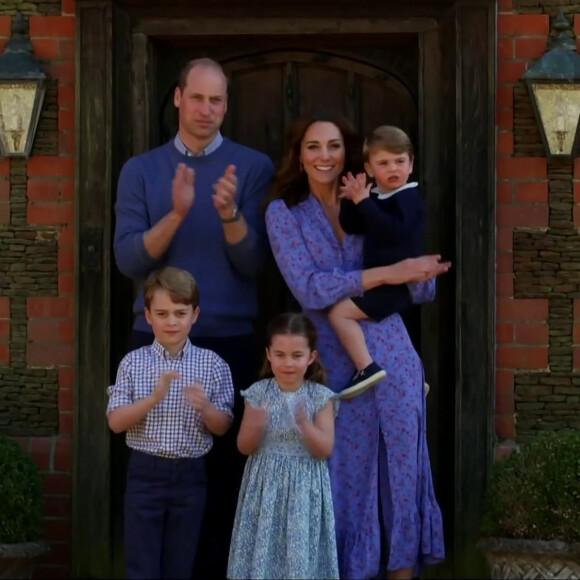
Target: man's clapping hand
[
  {"x": 183, "y": 190},
  {"x": 225, "y": 192}
]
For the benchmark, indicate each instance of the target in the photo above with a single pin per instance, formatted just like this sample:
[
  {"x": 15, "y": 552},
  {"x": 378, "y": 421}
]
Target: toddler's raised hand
[
  {"x": 346, "y": 188},
  {"x": 162, "y": 387},
  {"x": 355, "y": 188}
]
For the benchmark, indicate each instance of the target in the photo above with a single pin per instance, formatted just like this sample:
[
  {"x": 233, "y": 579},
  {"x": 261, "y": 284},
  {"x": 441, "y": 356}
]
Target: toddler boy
[{"x": 392, "y": 217}]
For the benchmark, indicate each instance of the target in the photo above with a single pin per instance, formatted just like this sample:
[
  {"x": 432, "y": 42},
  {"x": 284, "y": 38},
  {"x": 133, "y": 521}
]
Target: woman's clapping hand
[{"x": 415, "y": 269}]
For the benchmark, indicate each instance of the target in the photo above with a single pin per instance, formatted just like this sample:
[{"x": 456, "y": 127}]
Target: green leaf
[
  {"x": 535, "y": 493},
  {"x": 20, "y": 495}
]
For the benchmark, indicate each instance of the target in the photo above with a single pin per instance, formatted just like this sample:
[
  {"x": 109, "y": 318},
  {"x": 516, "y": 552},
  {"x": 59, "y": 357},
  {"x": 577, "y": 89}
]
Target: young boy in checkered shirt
[{"x": 170, "y": 398}]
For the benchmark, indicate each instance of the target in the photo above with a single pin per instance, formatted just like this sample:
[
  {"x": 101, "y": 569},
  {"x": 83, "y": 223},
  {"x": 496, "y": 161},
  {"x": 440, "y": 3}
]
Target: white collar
[{"x": 382, "y": 195}]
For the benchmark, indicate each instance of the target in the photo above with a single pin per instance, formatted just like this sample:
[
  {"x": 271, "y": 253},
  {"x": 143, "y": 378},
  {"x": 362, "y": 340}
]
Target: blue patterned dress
[
  {"x": 380, "y": 448},
  {"x": 284, "y": 526}
]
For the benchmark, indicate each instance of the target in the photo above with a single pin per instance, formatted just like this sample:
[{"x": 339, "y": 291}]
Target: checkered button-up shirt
[{"x": 172, "y": 428}]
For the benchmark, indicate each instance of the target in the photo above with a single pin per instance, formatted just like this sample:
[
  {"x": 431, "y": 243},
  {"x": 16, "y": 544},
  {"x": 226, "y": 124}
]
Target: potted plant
[
  {"x": 531, "y": 519},
  {"x": 20, "y": 512}
]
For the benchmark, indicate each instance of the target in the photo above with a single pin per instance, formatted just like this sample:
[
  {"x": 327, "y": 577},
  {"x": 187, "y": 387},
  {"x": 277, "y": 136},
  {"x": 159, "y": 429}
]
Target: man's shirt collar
[{"x": 180, "y": 146}]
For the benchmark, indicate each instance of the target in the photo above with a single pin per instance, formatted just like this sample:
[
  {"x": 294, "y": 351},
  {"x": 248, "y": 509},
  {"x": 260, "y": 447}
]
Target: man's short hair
[
  {"x": 388, "y": 138},
  {"x": 201, "y": 62},
  {"x": 179, "y": 284}
]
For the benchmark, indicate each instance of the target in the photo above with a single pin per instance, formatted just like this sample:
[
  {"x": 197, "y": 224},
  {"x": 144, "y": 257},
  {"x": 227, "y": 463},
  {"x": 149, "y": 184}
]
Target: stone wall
[
  {"x": 538, "y": 265},
  {"x": 37, "y": 278},
  {"x": 37, "y": 7},
  {"x": 568, "y": 7}
]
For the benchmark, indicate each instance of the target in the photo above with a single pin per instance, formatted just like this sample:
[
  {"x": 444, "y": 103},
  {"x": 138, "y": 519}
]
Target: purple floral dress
[{"x": 381, "y": 447}]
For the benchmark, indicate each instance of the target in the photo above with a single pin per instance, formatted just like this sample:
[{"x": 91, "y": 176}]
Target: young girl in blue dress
[{"x": 284, "y": 526}]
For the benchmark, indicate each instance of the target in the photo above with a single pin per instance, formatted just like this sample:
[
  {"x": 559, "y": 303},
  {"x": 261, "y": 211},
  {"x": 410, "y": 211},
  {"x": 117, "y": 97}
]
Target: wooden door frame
[{"x": 457, "y": 125}]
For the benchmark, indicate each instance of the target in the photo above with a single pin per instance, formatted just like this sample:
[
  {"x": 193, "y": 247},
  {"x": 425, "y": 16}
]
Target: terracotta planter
[
  {"x": 20, "y": 560},
  {"x": 530, "y": 559}
]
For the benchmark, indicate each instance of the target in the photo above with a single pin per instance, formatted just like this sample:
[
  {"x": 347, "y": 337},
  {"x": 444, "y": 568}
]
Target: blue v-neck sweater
[{"x": 224, "y": 273}]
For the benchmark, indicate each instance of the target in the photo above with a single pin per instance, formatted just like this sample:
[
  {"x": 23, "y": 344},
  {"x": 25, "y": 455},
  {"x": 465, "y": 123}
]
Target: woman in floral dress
[{"x": 384, "y": 504}]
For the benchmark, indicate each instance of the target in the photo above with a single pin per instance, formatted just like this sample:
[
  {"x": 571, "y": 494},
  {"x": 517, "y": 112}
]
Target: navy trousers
[
  {"x": 164, "y": 507},
  {"x": 224, "y": 463}
]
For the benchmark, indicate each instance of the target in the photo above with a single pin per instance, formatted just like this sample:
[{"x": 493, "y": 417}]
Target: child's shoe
[{"x": 363, "y": 380}]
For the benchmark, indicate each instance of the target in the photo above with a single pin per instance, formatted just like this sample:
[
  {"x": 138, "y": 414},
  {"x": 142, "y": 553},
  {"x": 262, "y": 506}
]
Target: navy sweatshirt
[{"x": 393, "y": 224}]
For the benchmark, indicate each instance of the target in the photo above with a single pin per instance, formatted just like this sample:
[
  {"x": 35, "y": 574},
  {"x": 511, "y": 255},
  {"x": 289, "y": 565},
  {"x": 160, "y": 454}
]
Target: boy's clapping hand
[
  {"x": 355, "y": 188},
  {"x": 162, "y": 387},
  {"x": 196, "y": 397},
  {"x": 216, "y": 421}
]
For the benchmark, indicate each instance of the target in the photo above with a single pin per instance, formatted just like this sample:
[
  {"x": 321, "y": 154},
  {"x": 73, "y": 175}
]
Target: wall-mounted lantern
[
  {"x": 22, "y": 88},
  {"x": 554, "y": 87}
]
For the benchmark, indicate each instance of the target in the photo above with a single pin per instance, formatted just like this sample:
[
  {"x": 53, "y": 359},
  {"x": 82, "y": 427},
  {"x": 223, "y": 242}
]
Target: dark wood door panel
[
  {"x": 255, "y": 117},
  {"x": 384, "y": 106},
  {"x": 322, "y": 89}
]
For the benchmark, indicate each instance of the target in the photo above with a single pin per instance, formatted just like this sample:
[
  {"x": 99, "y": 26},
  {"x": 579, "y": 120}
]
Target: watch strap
[{"x": 235, "y": 216}]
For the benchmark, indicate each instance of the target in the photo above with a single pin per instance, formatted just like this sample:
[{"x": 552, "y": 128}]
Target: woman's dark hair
[
  {"x": 295, "y": 323},
  {"x": 290, "y": 181}
]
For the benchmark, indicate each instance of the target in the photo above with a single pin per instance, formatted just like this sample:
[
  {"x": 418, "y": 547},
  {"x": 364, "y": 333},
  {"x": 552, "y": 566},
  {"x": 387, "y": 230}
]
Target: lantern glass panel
[
  {"x": 559, "y": 109},
  {"x": 17, "y": 100}
]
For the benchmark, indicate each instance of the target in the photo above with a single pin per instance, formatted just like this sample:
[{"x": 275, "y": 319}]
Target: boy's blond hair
[
  {"x": 179, "y": 284},
  {"x": 388, "y": 138}
]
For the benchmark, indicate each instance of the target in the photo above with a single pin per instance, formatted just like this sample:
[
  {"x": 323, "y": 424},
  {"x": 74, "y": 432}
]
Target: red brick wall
[
  {"x": 50, "y": 329},
  {"x": 522, "y": 330},
  {"x": 522, "y": 196}
]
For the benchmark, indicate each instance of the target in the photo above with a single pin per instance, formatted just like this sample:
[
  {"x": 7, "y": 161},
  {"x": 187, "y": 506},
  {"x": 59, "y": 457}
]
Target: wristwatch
[{"x": 234, "y": 218}]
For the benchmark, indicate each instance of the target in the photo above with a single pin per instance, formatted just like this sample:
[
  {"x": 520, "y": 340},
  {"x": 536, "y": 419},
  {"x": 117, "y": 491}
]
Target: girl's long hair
[
  {"x": 291, "y": 182},
  {"x": 295, "y": 323}
]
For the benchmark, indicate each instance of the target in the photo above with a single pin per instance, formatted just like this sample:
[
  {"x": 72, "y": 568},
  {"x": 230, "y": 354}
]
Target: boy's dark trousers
[{"x": 164, "y": 506}]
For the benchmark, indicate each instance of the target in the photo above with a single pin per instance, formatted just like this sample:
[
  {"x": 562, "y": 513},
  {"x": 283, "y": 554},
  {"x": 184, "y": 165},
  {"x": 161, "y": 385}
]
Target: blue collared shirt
[
  {"x": 181, "y": 147},
  {"x": 172, "y": 428}
]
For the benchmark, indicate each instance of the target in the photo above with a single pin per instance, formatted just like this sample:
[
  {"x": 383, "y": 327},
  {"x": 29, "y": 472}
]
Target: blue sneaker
[{"x": 363, "y": 380}]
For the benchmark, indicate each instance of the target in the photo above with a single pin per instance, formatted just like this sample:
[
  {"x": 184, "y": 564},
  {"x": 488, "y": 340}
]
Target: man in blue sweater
[{"x": 195, "y": 203}]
